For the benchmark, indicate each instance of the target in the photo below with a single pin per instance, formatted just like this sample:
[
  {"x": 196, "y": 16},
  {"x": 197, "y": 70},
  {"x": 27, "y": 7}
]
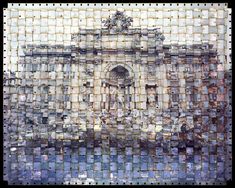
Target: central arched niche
[
  {"x": 119, "y": 72},
  {"x": 119, "y": 76},
  {"x": 119, "y": 87}
]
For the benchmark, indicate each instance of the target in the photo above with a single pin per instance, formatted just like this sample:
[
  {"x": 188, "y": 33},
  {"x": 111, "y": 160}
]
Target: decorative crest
[{"x": 119, "y": 22}]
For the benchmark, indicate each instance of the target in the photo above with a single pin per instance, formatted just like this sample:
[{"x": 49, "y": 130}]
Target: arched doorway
[{"x": 119, "y": 87}]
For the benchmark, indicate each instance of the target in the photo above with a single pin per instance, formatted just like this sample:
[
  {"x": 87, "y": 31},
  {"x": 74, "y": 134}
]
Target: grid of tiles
[{"x": 117, "y": 94}]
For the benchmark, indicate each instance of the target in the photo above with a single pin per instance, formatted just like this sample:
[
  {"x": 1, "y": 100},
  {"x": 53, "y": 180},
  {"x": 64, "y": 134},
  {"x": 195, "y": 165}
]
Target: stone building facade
[{"x": 122, "y": 71}]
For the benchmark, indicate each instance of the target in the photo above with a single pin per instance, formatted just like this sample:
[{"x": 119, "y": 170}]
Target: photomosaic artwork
[{"x": 117, "y": 94}]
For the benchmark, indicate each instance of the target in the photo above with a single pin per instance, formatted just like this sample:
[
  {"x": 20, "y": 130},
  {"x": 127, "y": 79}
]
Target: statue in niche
[
  {"x": 151, "y": 96},
  {"x": 121, "y": 101},
  {"x": 119, "y": 82},
  {"x": 113, "y": 94}
]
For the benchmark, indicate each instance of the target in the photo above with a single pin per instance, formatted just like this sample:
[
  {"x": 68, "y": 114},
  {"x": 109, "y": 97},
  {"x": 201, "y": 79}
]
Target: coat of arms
[{"x": 119, "y": 22}]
